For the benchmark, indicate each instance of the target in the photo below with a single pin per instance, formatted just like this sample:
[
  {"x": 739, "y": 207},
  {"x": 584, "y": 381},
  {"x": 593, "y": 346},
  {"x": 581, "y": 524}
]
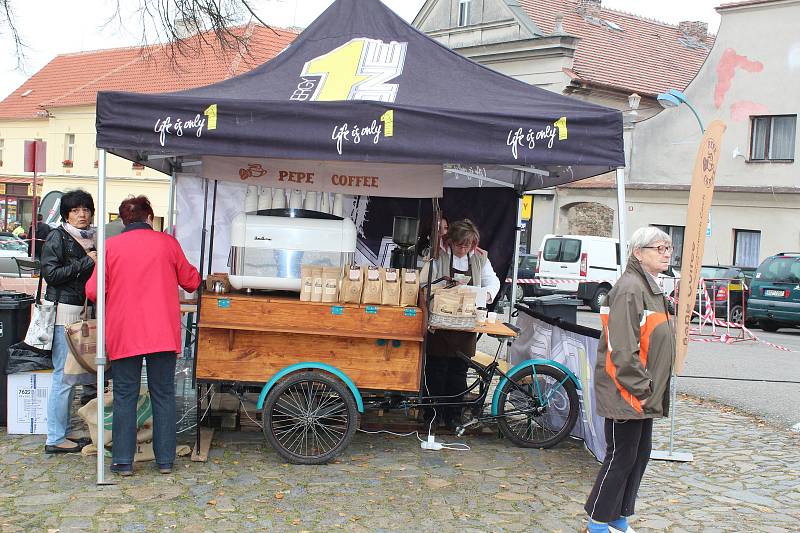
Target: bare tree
[
  {"x": 8, "y": 26},
  {"x": 164, "y": 21},
  {"x": 169, "y": 21}
]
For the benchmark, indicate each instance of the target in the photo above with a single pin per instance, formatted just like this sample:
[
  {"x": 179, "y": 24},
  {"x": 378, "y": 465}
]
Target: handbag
[
  {"x": 82, "y": 341},
  {"x": 43, "y": 320}
]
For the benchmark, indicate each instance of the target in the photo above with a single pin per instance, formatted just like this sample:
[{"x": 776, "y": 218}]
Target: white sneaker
[{"x": 612, "y": 529}]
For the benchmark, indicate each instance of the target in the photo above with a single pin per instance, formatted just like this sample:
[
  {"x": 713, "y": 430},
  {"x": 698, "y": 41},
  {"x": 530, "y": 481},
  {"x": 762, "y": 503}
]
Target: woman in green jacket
[{"x": 632, "y": 377}]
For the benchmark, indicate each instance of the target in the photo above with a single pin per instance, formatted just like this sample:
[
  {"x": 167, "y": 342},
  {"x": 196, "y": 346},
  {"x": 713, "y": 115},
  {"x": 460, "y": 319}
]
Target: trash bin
[
  {"x": 557, "y": 306},
  {"x": 15, "y": 315}
]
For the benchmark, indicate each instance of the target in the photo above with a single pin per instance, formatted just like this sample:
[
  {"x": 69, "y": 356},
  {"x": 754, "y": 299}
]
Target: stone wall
[{"x": 589, "y": 218}]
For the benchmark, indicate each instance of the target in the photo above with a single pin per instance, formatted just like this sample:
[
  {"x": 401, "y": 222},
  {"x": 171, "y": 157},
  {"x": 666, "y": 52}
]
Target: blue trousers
[
  {"x": 59, "y": 403},
  {"x": 161, "y": 384}
]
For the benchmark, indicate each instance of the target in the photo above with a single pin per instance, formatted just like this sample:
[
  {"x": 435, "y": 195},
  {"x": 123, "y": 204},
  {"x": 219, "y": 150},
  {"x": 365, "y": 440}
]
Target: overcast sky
[{"x": 52, "y": 27}]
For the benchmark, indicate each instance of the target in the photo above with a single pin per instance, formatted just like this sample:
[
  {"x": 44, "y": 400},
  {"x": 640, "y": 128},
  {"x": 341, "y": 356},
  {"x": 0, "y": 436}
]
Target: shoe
[
  {"x": 612, "y": 529},
  {"x": 122, "y": 470},
  {"x": 82, "y": 441},
  {"x": 52, "y": 448},
  {"x": 165, "y": 469},
  {"x": 621, "y": 526}
]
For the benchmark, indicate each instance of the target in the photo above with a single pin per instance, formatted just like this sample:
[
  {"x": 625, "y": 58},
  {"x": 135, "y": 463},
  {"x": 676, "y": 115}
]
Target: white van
[{"x": 583, "y": 266}]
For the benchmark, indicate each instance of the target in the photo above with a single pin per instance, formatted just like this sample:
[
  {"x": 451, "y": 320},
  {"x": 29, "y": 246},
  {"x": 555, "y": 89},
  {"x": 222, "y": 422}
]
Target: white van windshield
[{"x": 562, "y": 250}]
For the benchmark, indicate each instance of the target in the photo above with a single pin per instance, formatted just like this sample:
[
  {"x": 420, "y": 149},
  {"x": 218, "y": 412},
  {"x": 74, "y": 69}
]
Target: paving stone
[{"x": 388, "y": 484}]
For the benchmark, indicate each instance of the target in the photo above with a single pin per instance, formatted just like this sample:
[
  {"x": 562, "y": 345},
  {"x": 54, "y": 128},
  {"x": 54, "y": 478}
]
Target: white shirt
[{"x": 489, "y": 279}]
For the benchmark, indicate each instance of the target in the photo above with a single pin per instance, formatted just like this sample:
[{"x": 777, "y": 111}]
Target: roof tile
[
  {"x": 75, "y": 79},
  {"x": 644, "y": 56}
]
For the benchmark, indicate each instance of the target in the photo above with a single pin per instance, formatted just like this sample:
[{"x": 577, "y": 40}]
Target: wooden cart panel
[
  {"x": 251, "y": 338},
  {"x": 263, "y": 313},
  {"x": 257, "y": 356}
]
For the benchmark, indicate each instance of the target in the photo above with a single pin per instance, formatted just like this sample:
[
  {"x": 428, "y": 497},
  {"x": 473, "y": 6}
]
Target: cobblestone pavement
[{"x": 744, "y": 478}]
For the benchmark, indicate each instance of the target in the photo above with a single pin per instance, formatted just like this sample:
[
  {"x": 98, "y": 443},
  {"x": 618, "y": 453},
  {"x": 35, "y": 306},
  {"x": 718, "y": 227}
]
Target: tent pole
[
  {"x": 515, "y": 259},
  {"x": 101, "y": 316},
  {"x": 622, "y": 229},
  {"x": 211, "y": 236},
  {"x": 171, "y": 205}
]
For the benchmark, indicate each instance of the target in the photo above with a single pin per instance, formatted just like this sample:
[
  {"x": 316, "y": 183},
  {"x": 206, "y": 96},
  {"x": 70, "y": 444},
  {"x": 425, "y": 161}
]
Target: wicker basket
[{"x": 451, "y": 322}]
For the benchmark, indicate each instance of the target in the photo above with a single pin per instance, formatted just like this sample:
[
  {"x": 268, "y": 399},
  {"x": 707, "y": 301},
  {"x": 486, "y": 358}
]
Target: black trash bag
[{"x": 24, "y": 358}]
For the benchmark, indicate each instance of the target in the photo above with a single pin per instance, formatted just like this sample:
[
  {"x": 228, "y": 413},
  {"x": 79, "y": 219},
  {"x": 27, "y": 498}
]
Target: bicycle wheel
[
  {"x": 310, "y": 417},
  {"x": 544, "y": 414}
]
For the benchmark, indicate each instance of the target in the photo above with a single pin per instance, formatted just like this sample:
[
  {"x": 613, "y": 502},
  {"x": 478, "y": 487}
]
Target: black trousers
[{"x": 628, "y": 445}]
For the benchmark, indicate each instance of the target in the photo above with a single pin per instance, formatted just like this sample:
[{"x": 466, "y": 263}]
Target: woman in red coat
[{"x": 143, "y": 322}]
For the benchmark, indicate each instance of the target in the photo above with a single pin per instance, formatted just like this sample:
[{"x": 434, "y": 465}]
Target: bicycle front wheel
[{"x": 541, "y": 411}]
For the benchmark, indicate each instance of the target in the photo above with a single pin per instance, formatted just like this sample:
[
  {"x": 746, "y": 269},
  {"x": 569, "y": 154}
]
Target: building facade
[
  {"x": 57, "y": 105},
  {"x": 579, "y": 47}
]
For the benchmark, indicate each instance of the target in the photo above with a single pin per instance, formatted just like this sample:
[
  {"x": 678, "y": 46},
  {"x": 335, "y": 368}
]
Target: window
[
  {"x": 772, "y": 138},
  {"x": 463, "y": 12},
  {"x": 746, "y": 245},
  {"x": 562, "y": 250},
  {"x": 676, "y": 234},
  {"x": 69, "y": 147}
]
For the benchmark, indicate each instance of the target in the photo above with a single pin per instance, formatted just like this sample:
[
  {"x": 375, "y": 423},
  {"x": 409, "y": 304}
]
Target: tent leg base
[{"x": 664, "y": 455}]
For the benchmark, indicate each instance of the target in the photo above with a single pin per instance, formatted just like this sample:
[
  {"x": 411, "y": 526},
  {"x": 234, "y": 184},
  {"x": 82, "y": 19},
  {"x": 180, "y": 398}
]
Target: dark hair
[
  {"x": 135, "y": 210},
  {"x": 39, "y": 217},
  {"x": 77, "y": 198}
]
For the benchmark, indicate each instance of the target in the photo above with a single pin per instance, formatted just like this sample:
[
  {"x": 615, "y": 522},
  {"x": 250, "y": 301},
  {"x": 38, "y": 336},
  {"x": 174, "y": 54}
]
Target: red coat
[{"x": 143, "y": 271}]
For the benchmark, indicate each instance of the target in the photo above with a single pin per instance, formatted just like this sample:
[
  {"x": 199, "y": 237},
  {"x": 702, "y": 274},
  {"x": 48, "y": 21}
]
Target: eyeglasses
[
  {"x": 660, "y": 249},
  {"x": 462, "y": 246},
  {"x": 80, "y": 210}
]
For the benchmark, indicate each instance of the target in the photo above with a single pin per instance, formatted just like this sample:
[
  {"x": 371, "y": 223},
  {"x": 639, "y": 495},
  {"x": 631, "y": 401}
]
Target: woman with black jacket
[{"x": 68, "y": 259}]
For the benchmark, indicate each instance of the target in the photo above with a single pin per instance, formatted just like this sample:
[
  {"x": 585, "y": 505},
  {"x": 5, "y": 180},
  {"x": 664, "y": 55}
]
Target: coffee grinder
[{"x": 404, "y": 235}]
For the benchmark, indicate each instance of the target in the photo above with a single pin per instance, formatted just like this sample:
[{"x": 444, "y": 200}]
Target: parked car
[
  {"x": 525, "y": 270},
  {"x": 723, "y": 283},
  {"x": 775, "y": 292},
  {"x": 581, "y": 266},
  {"x": 11, "y": 247}
]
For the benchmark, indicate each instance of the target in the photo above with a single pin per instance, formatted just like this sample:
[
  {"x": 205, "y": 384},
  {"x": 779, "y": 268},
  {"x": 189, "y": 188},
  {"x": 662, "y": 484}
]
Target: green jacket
[{"x": 636, "y": 351}]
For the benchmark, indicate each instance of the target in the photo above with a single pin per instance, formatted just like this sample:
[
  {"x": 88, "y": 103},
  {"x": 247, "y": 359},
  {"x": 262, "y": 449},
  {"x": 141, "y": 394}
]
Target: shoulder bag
[{"x": 43, "y": 320}]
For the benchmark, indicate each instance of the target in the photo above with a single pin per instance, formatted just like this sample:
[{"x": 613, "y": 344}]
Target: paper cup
[
  {"x": 491, "y": 317},
  {"x": 480, "y": 315}
]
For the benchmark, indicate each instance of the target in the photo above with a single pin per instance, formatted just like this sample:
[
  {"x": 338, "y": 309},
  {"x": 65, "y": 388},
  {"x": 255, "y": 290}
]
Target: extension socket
[{"x": 430, "y": 444}]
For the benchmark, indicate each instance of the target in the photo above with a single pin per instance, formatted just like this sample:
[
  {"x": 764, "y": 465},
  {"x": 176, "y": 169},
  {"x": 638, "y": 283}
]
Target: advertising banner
[{"x": 697, "y": 221}]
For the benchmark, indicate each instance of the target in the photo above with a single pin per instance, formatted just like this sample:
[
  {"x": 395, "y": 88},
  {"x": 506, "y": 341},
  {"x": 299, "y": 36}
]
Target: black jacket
[{"x": 65, "y": 268}]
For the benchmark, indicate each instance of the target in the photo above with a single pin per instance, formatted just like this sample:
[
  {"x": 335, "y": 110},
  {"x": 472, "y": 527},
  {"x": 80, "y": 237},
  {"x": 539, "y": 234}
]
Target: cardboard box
[{"x": 27, "y": 402}]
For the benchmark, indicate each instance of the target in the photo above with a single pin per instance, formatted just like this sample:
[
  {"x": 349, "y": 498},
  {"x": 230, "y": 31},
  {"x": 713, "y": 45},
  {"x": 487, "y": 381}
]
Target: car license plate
[{"x": 774, "y": 292}]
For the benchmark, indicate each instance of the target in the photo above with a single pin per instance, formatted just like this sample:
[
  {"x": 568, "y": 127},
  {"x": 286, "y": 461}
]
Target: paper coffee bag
[
  {"x": 330, "y": 284},
  {"x": 316, "y": 290},
  {"x": 390, "y": 294},
  {"x": 306, "y": 282},
  {"x": 352, "y": 285},
  {"x": 373, "y": 287},
  {"x": 409, "y": 290}
]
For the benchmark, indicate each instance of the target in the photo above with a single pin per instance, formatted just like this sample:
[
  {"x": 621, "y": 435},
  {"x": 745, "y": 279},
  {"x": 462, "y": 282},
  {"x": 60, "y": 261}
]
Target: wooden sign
[{"x": 700, "y": 196}]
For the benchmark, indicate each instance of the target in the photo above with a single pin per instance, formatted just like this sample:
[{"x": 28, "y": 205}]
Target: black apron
[{"x": 444, "y": 343}]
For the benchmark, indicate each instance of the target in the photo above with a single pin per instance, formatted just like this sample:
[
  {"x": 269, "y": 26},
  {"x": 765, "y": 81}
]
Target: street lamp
[{"x": 674, "y": 98}]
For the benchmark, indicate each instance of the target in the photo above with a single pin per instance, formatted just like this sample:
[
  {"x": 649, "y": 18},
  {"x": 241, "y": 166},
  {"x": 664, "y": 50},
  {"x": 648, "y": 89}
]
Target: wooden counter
[{"x": 249, "y": 338}]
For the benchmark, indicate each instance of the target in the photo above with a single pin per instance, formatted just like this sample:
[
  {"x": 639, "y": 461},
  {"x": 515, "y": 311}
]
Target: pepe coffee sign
[{"x": 348, "y": 177}]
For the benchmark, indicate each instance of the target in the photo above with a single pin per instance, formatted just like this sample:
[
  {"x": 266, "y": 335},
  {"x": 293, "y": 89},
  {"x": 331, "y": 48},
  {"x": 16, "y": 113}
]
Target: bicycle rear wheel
[{"x": 545, "y": 413}]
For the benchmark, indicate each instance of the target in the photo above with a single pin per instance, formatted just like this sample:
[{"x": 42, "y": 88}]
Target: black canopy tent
[{"x": 361, "y": 85}]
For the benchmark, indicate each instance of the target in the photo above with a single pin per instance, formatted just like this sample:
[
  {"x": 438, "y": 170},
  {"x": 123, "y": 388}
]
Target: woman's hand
[{"x": 92, "y": 255}]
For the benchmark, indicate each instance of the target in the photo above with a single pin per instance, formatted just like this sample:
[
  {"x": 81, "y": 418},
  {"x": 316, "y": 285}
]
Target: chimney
[
  {"x": 559, "y": 27},
  {"x": 589, "y": 8},
  {"x": 696, "y": 29},
  {"x": 185, "y": 28}
]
